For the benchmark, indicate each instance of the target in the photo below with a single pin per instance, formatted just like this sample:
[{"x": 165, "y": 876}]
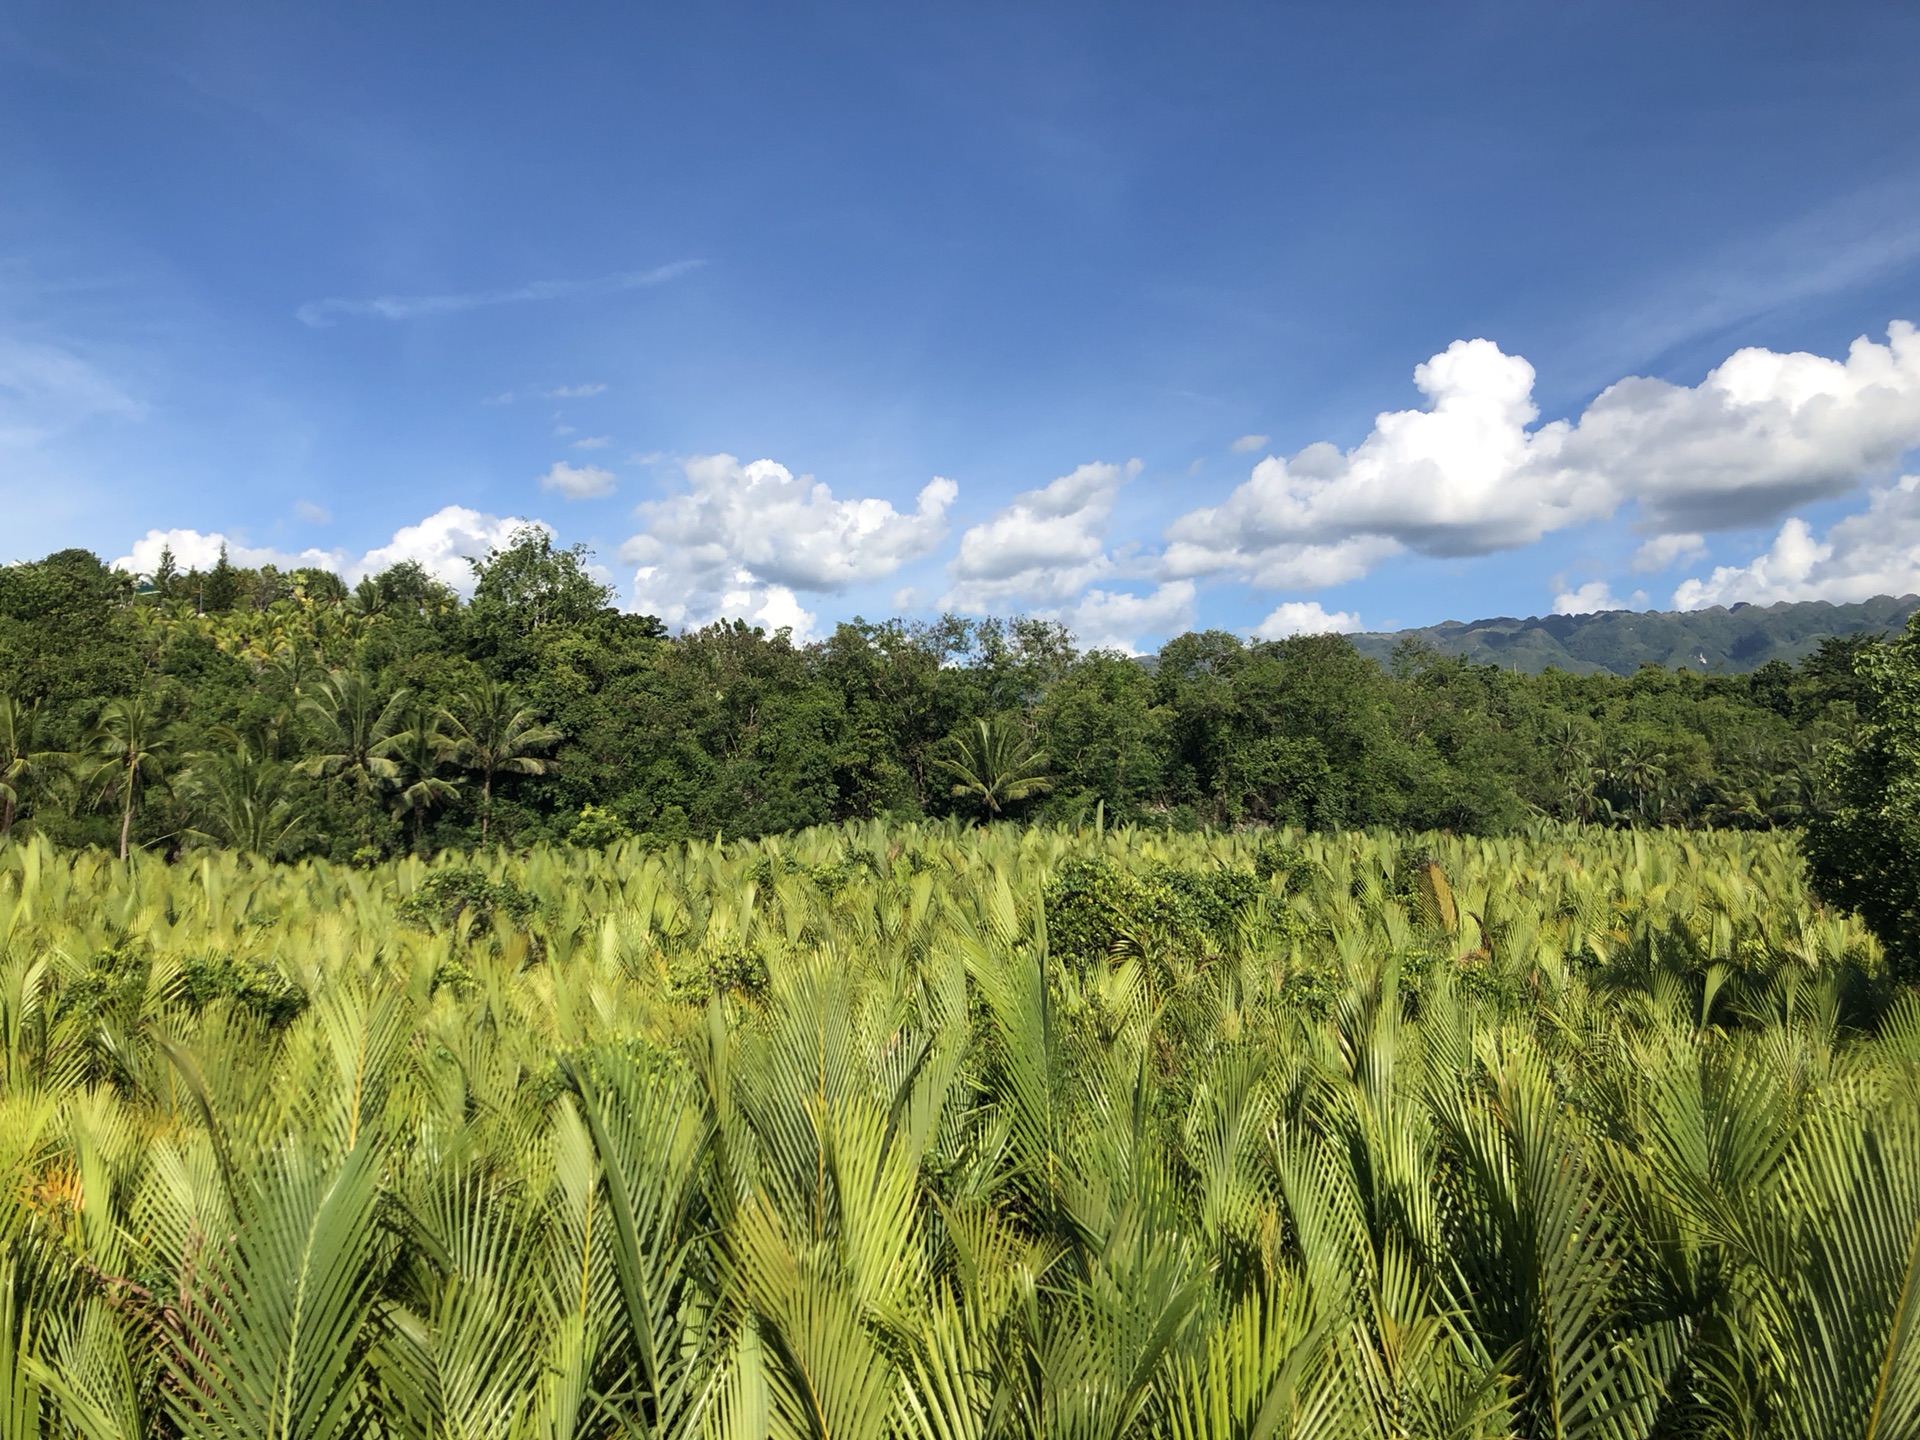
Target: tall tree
[
  {"x": 494, "y": 733},
  {"x": 24, "y": 759},
  {"x": 530, "y": 584},
  {"x": 355, "y": 722},
  {"x": 243, "y": 797},
  {"x": 418, "y": 751},
  {"x": 129, "y": 746},
  {"x": 1863, "y": 852}
]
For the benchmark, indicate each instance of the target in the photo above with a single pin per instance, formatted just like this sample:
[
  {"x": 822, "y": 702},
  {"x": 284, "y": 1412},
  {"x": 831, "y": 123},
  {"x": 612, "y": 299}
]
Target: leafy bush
[
  {"x": 444, "y": 896},
  {"x": 1094, "y": 906},
  {"x": 260, "y": 989}
]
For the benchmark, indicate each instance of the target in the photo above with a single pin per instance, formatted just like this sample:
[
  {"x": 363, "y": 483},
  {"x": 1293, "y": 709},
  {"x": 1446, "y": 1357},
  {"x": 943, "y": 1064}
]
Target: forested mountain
[
  {"x": 1720, "y": 640},
  {"x": 287, "y": 714}
]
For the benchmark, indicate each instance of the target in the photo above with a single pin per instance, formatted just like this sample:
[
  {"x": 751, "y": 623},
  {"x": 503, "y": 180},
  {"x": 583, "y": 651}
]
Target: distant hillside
[{"x": 1726, "y": 640}]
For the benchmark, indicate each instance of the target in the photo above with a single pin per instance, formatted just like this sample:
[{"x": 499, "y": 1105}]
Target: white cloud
[
  {"x": 576, "y": 392},
  {"x": 1762, "y": 433},
  {"x": 443, "y": 542},
  {"x": 311, "y": 513},
  {"x": 1116, "y": 620},
  {"x": 1472, "y": 473},
  {"x": 195, "y": 551},
  {"x": 1045, "y": 547},
  {"x": 745, "y": 540},
  {"x": 440, "y": 543},
  {"x": 1876, "y": 552},
  {"x": 1040, "y": 554},
  {"x": 1595, "y": 596},
  {"x": 578, "y": 482},
  {"x": 593, "y": 442},
  {"x": 322, "y": 313},
  {"x": 1663, "y": 551},
  {"x": 1306, "y": 617},
  {"x": 1248, "y": 443}
]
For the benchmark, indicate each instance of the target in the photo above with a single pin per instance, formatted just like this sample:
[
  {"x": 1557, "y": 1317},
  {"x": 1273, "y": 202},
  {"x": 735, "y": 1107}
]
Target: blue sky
[{"x": 1011, "y": 282}]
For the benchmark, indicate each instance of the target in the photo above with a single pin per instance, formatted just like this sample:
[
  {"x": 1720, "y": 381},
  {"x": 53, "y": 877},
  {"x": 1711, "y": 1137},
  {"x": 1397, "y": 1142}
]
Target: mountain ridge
[{"x": 1721, "y": 639}]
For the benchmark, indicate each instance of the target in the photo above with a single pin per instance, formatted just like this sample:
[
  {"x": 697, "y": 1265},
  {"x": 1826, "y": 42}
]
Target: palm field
[{"x": 948, "y": 1133}]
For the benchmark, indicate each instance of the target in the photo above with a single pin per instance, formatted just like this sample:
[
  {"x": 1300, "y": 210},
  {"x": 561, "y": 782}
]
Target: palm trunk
[
  {"x": 126, "y": 814},
  {"x": 6, "y": 817},
  {"x": 419, "y": 826},
  {"x": 486, "y": 803}
]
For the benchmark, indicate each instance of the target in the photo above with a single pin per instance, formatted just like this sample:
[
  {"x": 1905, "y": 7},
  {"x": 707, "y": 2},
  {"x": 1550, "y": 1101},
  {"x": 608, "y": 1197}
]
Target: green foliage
[
  {"x": 1578, "y": 1133},
  {"x": 252, "y": 986},
  {"x": 446, "y": 896},
  {"x": 397, "y": 717},
  {"x": 1863, "y": 849},
  {"x": 1098, "y": 911},
  {"x": 597, "y": 828}
]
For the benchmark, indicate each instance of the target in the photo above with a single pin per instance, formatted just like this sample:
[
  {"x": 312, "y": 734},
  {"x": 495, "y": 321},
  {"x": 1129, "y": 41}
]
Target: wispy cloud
[
  {"x": 322, "y": 313},
  {"x": 1852, "y": 242}
]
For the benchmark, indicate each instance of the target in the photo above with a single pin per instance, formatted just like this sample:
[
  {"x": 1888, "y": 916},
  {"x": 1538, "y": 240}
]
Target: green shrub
[
  {"x": 1094, "y": 906},
  {"x": 440, "y": 900}
]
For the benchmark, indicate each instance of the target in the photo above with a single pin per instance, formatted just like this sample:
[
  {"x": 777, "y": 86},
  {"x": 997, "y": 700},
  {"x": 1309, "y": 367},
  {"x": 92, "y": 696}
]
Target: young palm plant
[{"x": 995, "y": 762}]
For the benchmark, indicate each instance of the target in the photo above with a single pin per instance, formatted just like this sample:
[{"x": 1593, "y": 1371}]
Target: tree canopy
[{"x": 395, "y": 715}]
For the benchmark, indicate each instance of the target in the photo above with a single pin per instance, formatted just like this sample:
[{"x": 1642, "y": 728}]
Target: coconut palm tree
[
  {"x": 129, "y": 746},
  {"x": 24, "y": 761},
  {"x": 494, "y": 733},
  {"x": 994, "y": 761},
  {"x": 355, "y": 723},
  {"x": 243, "y": 797},
  {"x": 417, "y": 751}
]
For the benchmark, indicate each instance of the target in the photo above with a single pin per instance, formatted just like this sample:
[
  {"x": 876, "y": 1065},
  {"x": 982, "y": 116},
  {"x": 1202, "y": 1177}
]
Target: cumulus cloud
[
  {"x": 1248, "y": 443},
  {"x": 1116, "y": 620},
  {"x": 1663, "y": 551},
  {"x": 1876, "y": 552},
  {"x": 1594, "y": 597},
  {"x": 578, "y": 482},
  {"x": 194, "y": 551},
  {"x": 441, "y": 544},
  {"x": 745, "y": 540},
  {"x": 1045, "y": 547},
  {"x": 1473, "y": 473},
  {"x": 1043, "y": 551},
  {"x": 593, "y": 442},
  {"x": 1306, "y": 617},
  {"x": 311, "y": 513}
]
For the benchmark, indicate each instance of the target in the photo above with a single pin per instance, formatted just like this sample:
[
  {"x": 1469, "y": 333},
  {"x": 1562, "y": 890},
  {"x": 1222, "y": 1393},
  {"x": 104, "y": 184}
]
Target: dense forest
[{"x": 291, "y": 714}]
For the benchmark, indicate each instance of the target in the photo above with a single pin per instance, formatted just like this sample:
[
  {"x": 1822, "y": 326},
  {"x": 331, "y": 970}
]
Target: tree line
[{"x": 286, "y": 713}]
